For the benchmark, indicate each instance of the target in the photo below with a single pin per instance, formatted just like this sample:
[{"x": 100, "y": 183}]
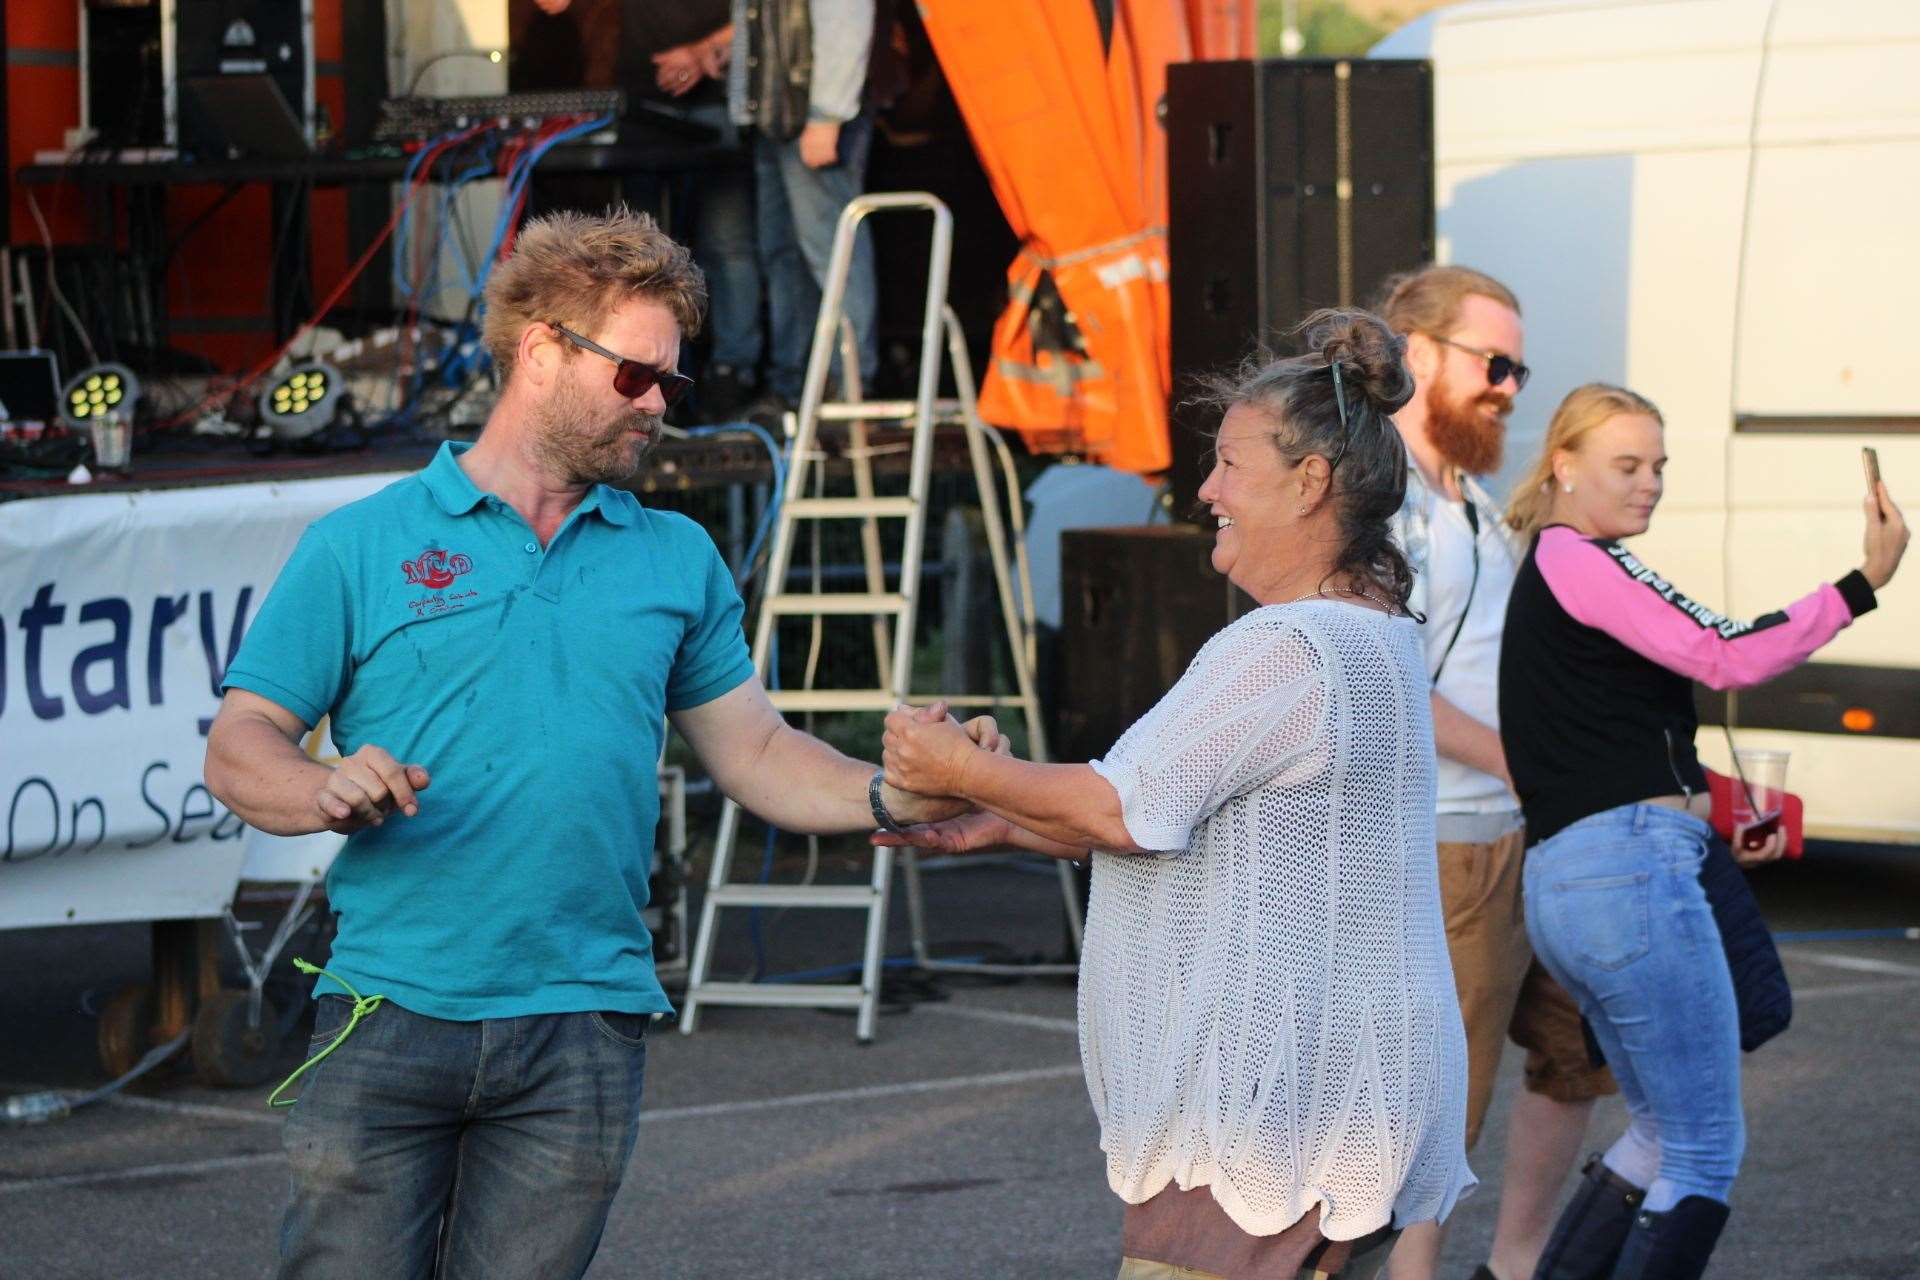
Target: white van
[{"x": 1717, "y": 203}]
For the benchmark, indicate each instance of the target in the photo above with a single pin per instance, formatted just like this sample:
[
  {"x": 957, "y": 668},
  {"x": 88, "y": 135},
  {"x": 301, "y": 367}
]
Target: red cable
[{"x": 421, "y": 177}]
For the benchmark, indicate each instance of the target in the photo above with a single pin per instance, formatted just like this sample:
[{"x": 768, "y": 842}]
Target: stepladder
[{"x": 888, "y": 516}]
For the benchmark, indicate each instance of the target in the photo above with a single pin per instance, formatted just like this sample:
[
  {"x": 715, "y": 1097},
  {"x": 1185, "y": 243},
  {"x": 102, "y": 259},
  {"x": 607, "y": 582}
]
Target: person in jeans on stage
[
  {"x": 798, "y": 78},
  {"x": 1268, "y": 1022},
  {"x": 1465, "y": 350},
  {"x": 1597, "y": 717},
  {"x": 499, "y": 641}
]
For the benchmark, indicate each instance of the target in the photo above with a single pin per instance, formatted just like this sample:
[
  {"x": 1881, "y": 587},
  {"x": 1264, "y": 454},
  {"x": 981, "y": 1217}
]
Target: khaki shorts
[
  {"x": 1502, "y": 991},
  {"x": 1546, "y": 1023}
]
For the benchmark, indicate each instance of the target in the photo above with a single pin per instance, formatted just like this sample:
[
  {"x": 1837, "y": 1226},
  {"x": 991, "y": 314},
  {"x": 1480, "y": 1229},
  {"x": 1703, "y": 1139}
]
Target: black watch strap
[{"x": 882, "y": 819}]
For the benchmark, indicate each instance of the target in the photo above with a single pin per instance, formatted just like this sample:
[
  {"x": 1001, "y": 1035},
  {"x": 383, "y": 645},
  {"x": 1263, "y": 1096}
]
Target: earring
[
  {"x": 1303, "y": 511},
  {"x": 1566, "y": 488}
]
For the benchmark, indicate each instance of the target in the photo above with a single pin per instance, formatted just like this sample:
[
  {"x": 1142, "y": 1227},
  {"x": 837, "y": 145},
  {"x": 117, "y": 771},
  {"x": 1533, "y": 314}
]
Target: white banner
[{"x": 118, "y": 616}]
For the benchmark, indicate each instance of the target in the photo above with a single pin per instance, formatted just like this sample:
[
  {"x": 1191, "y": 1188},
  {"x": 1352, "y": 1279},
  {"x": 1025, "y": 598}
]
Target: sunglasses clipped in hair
[
  {"x": 631, "y": 378},
  {"x": 1499, "y": 367}
]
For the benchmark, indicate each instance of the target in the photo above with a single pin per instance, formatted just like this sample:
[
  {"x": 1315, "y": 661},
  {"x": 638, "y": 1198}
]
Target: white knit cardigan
[{"x": 1268, "y": 1009}]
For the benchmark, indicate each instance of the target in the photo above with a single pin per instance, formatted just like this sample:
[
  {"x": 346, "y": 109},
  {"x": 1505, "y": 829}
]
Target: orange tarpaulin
[{"x": 1067, "y": 125}]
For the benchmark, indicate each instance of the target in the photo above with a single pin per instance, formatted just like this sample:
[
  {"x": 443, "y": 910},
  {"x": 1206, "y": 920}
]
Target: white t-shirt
[
  {"x": 1268, "y": 1008},
  {"x": 1440, "y": 542}
]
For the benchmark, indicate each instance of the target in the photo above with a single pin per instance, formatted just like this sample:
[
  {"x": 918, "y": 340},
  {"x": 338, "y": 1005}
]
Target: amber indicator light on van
[{"x": 1857, "y": 720}]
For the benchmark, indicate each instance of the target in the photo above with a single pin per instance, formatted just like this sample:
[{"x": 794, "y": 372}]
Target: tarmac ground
[{"x": 960, "y": 1145}]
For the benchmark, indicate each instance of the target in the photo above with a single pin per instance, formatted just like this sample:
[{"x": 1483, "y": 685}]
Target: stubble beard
[
  {"x": 571, "y": 443},
  {"x": 1468, "y": 431}
]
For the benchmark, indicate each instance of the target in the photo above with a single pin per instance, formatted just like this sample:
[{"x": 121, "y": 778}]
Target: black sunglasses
[
  {"x": 631, "y": 378},
  {"x": 1499, "y": 367}
]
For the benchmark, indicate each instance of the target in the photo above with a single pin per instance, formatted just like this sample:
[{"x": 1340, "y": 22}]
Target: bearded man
[
  {"x": 512, "y": 630},
  {"x": 1466, "y": 349}
]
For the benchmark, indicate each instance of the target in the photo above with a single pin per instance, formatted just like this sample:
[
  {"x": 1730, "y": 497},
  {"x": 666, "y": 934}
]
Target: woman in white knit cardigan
[{"x": 1267, "y": 1014}]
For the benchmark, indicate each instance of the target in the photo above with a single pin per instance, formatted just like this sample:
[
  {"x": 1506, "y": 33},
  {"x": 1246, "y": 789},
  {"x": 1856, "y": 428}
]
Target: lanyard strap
[
  {"x": 1473, "y": 523},
  {"x": 362, "y": 1006}
]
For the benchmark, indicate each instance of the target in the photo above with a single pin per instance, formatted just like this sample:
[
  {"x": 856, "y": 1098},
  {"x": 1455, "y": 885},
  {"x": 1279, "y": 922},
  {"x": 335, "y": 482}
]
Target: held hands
[
  {"x": 367, "y": 786},
  {"x": 916, "y": 736},
  {"x": 926, "y": 751},
  {"x": 1886, "y": 537}
]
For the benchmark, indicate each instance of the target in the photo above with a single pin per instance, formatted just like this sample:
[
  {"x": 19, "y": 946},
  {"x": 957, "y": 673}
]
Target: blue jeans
[
  {"x": 798, "y": 210},
  {"x": 1616, "y": 913},
  {"x": 422, "y": 1147},
  {"x": 725, "y": 238}
]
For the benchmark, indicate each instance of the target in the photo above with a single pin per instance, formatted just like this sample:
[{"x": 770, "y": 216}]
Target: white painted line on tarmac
[
  {"x": 1006, "y": 1017},
  {"x": 221, "y": 1164},
  {"x": 198, "y": 1110},
  {"x": 1851, "y": 989},
  {"x": 183, "y": 1168},
  {"x": 1859, "y": 964},
  {"x": 863, "y": 1093}
]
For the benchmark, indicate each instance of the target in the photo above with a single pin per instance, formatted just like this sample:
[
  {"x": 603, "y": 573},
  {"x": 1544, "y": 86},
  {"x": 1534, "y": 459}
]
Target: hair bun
[{"x": 1371, "y": 355}]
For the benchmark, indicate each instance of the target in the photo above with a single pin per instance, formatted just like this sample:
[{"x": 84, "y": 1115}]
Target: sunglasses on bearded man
[
  {"x": 1499, "y": 367},
  {"x": 632, "y": 378}
]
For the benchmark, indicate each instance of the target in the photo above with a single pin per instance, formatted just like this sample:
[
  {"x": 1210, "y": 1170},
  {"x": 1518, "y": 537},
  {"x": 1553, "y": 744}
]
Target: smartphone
[
  {"x": 1760, "y": 831},
  {"x": 1870, "y": 459}
]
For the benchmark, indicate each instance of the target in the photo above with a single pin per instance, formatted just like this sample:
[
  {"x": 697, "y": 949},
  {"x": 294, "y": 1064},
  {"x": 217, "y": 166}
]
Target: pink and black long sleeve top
[{"x": 1597, "y": 667}]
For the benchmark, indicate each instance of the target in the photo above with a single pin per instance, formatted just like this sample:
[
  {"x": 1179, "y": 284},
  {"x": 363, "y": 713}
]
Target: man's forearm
[
  {"x": 1458, "y": 736},
  {"x": 267, "y": 780},
  {"x": 800, "y": 784}
]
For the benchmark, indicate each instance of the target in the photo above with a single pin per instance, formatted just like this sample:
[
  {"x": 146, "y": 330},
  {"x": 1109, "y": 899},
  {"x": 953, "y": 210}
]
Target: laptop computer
[
  {"x": 29, "y": 386},
  {"x": 223, "y": 117}
]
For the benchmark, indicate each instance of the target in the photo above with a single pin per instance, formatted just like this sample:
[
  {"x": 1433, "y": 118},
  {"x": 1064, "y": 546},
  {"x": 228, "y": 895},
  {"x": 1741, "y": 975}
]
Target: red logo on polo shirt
[{"x": 436, "y": 569}]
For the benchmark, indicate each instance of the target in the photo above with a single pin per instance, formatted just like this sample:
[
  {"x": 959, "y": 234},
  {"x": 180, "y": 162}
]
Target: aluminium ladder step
[
  {"x": 791, "y": 603},
  {"x": 849, "y": 508},
  {"x": 860, "y": 896},
  {"x": 803, "y": 995},
  {"x": 879, "y": 699}
]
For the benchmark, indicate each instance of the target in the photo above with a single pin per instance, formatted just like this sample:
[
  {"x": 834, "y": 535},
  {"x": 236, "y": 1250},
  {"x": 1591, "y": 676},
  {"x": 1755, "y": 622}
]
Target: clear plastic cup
[
  {"x": 112, "y": 442},
  {"x": 1764, "y": 794}
]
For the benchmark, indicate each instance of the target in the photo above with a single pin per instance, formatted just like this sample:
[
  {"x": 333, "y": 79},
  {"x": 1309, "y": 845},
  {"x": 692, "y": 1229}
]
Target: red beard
[{"x": 1470, "y": 432}]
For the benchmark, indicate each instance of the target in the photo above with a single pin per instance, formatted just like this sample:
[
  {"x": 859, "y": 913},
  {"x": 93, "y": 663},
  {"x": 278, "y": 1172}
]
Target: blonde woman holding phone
[{"x": 1597, "y": 669}]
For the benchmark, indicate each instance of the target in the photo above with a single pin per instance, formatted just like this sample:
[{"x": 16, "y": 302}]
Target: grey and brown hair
[
  {"x": 1300, "y": 396},
  {"x": 575, "y": 268}
]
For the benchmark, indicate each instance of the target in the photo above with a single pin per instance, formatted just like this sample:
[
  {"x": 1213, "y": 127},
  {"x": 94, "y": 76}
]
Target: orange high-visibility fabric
[{"x": 1070, "y": 137}]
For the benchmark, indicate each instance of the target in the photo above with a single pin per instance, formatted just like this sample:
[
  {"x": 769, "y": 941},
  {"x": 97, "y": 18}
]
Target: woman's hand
[
  {"x": 968, "y": 833},
  {"x": 1771, "y": 851},
  {"x": 1886, "y": 538},
  {"x": 926, "y": 752}
]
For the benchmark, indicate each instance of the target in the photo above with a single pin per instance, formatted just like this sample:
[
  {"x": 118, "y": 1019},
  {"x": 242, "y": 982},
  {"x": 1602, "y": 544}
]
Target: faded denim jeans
[
  {"x": 1616, "y": 913},
  {"x": 469, "y": 1150}
]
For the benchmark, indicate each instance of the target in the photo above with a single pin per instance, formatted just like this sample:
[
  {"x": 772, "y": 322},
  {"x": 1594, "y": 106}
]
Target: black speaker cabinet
[
  {"x": 1292, "y": 185},
  {"x": 1135, "y": 605}
]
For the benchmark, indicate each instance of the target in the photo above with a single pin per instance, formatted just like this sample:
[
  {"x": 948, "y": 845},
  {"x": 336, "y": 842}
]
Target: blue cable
[
  {"x": 767, "y": 517},
  {"x": 522, "y": 172}
]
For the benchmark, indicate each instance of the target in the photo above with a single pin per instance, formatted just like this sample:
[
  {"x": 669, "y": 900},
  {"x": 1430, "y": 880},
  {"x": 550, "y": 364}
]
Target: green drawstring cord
[{"x": 362, "y": 1006}]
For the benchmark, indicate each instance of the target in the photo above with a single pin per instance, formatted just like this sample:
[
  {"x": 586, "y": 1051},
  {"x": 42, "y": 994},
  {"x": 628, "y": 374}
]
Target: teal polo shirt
[{"x": 533, "y": 684}]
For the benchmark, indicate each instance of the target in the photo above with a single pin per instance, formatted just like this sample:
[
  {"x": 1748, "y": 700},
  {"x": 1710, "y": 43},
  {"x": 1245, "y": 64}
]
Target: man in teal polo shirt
[{"x": 499, "y": 640}]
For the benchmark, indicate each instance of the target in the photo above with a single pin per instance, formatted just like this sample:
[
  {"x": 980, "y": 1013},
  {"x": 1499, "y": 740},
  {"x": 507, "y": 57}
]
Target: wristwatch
[{"x": 881, "y": 817}]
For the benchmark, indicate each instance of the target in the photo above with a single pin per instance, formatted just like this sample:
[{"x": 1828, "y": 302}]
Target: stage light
[
  {"x": 305, "y": 400},
  {"x": 102, "y": 391}
]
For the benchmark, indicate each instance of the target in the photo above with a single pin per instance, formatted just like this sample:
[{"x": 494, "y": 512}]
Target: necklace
[{"x": 1346, "y": 591}]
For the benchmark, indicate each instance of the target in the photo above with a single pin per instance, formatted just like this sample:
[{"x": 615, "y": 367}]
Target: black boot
[
  {"x": 1674, "y": 1245},
  {"x": 1586, "y": 1241}
]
